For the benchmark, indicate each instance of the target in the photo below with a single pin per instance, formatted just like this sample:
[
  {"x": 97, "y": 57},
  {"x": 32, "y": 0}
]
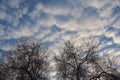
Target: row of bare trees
[{"x": 29, "y": 61}]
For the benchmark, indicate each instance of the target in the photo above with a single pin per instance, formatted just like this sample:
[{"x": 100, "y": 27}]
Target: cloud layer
[{"x": 56, "y": 21}]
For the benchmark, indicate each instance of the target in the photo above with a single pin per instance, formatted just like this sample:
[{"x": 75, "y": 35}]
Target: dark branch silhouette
[
  {"x": 83, "y": 63},
  {"x": 28, "y": 61}
]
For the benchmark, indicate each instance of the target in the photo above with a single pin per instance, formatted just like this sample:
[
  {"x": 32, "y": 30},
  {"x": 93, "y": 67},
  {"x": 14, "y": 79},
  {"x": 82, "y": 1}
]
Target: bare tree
[
  {"x": 108, "y": 71},
  {"x": 28, "y": 61},
  {"x": 83, "y": 63}
]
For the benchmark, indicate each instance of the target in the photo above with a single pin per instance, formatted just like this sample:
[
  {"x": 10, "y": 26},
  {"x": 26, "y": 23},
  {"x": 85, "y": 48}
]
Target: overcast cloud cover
[{"x": 58, "y": 20}]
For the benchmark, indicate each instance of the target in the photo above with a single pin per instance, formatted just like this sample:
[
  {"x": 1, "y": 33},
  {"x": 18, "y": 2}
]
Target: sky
[{"x": 55, "y": 21}]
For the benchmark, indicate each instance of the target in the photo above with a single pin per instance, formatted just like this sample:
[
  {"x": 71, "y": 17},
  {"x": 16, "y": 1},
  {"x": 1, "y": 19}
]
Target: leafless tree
[
  {"x": 108, "y": 71},
  {"x": 83, "y": 63},
  {"x": 28, "y": 61}
]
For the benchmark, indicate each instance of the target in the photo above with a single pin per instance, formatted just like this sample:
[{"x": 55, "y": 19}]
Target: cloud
[
  {"x": 3, "y": 15},
  {"x": 2, "y": 32},
  {"x": 14, "y": 3},
  {"x": 56, "y": 21},
  {"x": 56, "y": 11},
  {"x": 117, "y": 23}
]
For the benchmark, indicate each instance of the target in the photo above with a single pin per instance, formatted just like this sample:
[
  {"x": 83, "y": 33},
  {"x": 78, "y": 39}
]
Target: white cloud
[
  {"x": 14, "y": 3},
  {"x": 56, "y": 11},
  {"x": 3, "y": 15},
  {"x": 16, "y": 34},
  {"x": 85, "y": 17},
  {"x": 2, "y": 32},
  {"x": 117, "y": 23},
  {"x": 36, "y": 12},
  {"x": 116, "y": 39},
  {"x": 98, "y": 3},
  {"x": 88, "y": 15}
]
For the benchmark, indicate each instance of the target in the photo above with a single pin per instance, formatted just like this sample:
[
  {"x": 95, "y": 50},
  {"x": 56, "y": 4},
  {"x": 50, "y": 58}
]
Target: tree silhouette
[
  {"x": 29, "y": 61},
  {"x": 26, "y": 62},
  {"x": 83, "y": 63}
]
